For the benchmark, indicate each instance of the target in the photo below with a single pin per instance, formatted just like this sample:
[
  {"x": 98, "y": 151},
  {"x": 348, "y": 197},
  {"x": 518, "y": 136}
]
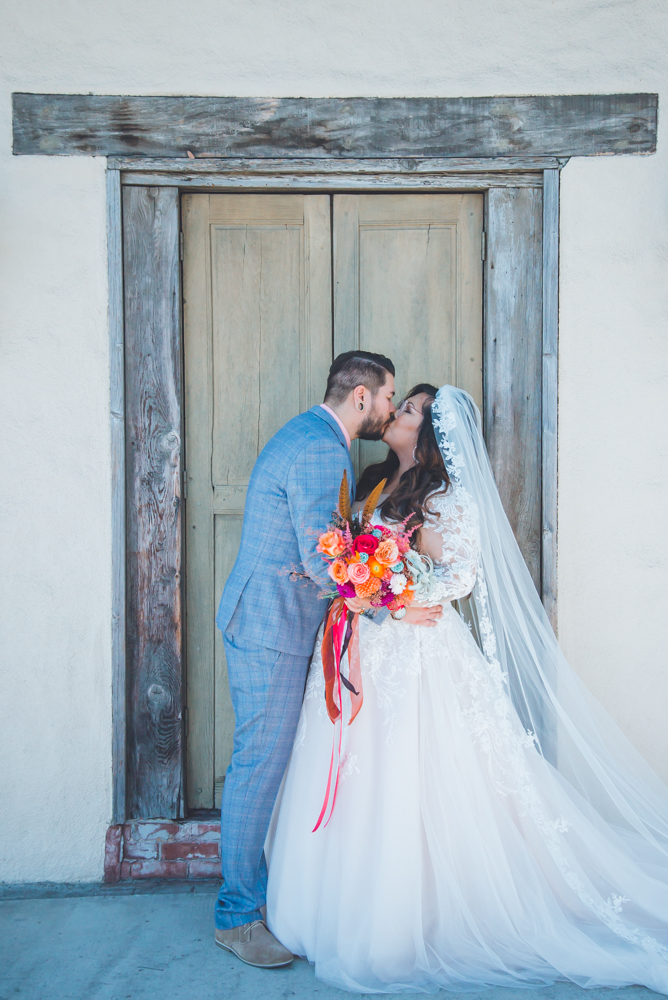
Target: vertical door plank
[
  {"x": 550, "y": 389},
  {"x": 346, "y": 271},
  {"x": 198, "y": 408},
  {"x": 513, "y": 360},
  {"x": 153, "y": 463},
  {"x": 117, "y": 409},
  {"x": 258, "y": 342},
  {"x": 316, "y": 342}
]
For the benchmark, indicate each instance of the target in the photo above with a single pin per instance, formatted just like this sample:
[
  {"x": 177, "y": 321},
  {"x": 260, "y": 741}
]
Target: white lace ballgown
[{"x": 456, "y": 855}]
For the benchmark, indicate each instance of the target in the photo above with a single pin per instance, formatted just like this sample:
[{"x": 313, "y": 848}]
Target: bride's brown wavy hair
[{"x": 427, "y": 476}]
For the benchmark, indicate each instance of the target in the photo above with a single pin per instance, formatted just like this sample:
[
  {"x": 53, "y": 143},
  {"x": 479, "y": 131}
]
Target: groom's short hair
[{"x": 357, "y": 368}]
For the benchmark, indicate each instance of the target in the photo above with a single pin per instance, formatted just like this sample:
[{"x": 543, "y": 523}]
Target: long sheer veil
[{"x": 566, "y": 723}]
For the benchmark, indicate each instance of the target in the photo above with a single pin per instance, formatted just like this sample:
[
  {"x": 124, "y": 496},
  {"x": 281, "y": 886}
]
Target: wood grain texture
[
  {"x": 513, "y": 361},
  {"x": 384, "y": 182},
  {"x": 304, "y": 166},
  {"x": 153, "y": 463},
  {"x": 117, "y": 430},
  {"x": 550, "y": 391},
  {"x": 564, "y": 125}
]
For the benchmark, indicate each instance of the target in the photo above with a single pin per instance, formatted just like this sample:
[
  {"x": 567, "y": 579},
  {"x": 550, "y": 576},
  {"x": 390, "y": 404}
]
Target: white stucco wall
[{"x": 55, "y": 633}]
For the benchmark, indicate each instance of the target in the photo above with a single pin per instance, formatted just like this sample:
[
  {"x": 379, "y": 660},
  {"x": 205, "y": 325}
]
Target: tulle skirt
[{"x": 456, "y": 856}]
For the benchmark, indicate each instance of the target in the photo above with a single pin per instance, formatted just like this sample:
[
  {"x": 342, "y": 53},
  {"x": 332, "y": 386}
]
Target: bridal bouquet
[
  {"x": 370, "y": 561},
  {"x": 367, "y": 561}
]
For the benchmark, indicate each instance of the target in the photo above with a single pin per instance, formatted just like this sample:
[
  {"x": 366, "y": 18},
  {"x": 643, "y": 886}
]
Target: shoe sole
[{"x": 255, "y": 965}]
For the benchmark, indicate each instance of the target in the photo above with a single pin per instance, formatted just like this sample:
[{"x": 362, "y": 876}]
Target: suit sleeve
[{"x": 313, "y": 491}]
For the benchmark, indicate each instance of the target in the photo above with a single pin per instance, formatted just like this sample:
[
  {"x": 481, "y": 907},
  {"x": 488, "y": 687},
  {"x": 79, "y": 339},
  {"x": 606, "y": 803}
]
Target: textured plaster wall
[{"x": 55, "y": 507}]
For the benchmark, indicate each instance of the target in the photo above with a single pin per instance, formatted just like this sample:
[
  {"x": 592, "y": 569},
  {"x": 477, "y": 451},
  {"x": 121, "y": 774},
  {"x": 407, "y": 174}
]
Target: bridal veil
[{"x": 596, "y": 764}]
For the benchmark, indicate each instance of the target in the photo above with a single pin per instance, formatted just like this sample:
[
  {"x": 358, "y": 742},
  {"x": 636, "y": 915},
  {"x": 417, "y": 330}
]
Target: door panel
[
  {"x": 258, "y": 344},
  {"x": 408, "y": 284}
]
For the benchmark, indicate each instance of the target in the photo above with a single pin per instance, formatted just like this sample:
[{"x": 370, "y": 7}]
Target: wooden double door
[{"x": 275, "y": 286}]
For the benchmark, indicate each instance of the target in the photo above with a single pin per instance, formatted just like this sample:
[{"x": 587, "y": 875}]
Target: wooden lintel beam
[
  {"x": 562, "y": 125},
  {"x": 336, "y": 166}
]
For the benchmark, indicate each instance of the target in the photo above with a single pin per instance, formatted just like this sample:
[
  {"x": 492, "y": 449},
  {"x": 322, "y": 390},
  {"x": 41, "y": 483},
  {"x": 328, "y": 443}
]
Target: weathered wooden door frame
[
  {"x": 520, "y": 315},
  {"x": 509, "y": 144}
]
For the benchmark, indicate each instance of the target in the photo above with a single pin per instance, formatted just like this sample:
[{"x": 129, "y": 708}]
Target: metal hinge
[
  {"x": 181, "y": 246},
  {"x": 185, "y": 484},
  {"x": 483, "y": 246}
]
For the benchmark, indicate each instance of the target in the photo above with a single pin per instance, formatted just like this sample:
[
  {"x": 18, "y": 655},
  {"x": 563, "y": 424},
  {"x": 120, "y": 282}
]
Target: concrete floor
[{"x": 158, "y": 943}]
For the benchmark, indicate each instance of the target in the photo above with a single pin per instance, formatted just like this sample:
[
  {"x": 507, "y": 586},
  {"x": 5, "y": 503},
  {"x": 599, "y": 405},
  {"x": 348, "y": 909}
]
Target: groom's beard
[{"x": 373, "y": 427}]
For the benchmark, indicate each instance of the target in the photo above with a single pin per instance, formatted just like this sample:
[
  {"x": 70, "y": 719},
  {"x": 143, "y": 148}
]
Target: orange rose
[
  {"x": 358, "y": 573},
  {"x": 338, "y": 571},
  {"x": 368, "y": 588},
  {"x": 387, "y": 552},
  {"x": 331, "y": 543}
]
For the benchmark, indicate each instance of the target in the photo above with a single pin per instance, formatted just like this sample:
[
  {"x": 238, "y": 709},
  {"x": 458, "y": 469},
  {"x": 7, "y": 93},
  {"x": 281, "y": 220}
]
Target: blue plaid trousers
[{"x": 267, "y": 687}]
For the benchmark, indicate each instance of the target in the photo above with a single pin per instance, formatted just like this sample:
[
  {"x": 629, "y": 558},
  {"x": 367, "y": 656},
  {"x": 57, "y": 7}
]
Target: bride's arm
[{"x": 450, "y": 537}]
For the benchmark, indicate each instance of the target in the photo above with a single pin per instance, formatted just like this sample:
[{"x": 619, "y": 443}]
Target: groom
[{"x": 269, "y": 622}]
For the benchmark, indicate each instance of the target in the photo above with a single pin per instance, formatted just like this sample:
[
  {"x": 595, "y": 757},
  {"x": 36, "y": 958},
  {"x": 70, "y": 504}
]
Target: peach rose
[
  {"x": 387, "y": 552},
  {"x": 331, "y": 543},
  {"x": 338, "y": 571},
  {"x": 358, "y": 572}
]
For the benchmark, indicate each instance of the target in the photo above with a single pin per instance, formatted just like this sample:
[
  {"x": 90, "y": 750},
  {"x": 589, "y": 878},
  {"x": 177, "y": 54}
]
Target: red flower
[{"x": 366, "y": 543}]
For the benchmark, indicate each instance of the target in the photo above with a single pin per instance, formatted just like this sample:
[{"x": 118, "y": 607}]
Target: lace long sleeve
[{"x": 450, "y": 537}]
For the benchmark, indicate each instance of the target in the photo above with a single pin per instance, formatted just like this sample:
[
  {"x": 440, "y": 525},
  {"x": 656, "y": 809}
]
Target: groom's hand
[{"x": 424, "y": 616}]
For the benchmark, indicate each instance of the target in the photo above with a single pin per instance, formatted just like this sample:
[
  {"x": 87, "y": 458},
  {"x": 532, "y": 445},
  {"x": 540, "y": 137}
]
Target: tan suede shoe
[{"x": 254, "y": 945}]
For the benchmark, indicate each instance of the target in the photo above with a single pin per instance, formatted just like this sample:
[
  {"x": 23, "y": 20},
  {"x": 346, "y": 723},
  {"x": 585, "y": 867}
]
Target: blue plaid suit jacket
[{"x": 292, "y": 492}]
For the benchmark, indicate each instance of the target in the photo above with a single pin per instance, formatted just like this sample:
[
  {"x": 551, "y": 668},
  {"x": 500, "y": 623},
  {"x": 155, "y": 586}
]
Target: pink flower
[{"x": 358, "y": 572}]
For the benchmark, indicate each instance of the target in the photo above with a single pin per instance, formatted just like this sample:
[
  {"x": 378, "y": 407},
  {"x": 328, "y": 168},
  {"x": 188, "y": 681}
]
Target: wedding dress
[{"x": 492, "y": 825}]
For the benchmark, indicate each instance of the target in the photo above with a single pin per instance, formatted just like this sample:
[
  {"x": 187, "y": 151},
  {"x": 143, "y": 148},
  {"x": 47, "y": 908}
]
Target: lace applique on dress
[{"x": 455, "y": 519}]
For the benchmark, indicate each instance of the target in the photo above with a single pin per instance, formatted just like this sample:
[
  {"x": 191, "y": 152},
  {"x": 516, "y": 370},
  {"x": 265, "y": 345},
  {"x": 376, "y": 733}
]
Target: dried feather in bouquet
[
  {"x": 372, "y": 502},
  {"x": 345, "y": 509}
]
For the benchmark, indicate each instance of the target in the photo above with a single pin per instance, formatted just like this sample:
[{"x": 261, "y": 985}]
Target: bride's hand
[
  {"x": 429, "y": 617},
  {"x": 358, "y": 604}
]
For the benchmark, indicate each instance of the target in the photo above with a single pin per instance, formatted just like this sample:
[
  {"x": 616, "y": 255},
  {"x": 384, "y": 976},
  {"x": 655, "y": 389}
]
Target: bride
[{"x": 492, "y": 825}]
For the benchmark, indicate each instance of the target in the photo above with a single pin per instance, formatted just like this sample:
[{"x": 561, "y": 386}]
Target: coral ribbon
[
  {"x": 341, "y": 634},
  {"x": 354, "y": 668}
]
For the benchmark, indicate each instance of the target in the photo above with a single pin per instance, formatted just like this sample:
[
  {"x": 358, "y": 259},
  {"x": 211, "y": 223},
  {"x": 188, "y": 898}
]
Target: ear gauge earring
[{"x": 360, "y": 406}]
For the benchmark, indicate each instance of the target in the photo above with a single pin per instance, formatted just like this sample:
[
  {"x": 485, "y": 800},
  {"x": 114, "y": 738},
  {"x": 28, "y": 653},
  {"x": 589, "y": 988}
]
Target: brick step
[{"x": 153, "y": 848}]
